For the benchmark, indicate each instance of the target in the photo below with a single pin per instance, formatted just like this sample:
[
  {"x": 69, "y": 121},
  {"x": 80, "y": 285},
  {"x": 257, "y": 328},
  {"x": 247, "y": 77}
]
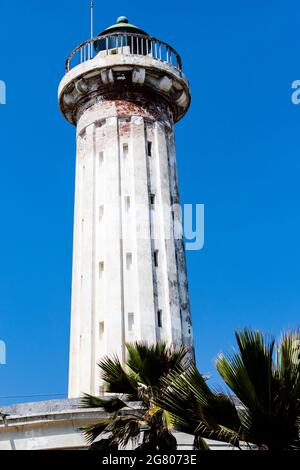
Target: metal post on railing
[
  {"x": 92, "y": 28},
  {"x": 179, "y": 63}
]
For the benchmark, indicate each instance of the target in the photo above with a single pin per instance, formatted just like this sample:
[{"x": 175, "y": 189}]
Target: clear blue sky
[{"x": 238, "y": 153}]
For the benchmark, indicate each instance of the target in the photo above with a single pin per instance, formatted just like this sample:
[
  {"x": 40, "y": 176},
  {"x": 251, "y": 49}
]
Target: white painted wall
[
  {"x": 106, "y": 232},
  {"x": 117, "y": 291}
]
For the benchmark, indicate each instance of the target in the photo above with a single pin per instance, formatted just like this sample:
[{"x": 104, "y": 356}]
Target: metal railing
[{"x": 124, "y": 43}]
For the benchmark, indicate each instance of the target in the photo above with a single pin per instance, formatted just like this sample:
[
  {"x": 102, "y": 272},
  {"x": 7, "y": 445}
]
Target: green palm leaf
[
  {"x": 195, "y": 409},
  {"x": 110, "y": 405},
  {"x": 116, "y": 379},
  {"x": 139, "y": 381},
  {"x": 92, "y": 432},
  {"x": 263, "y": 409},
  {"x": 150, "y": 363}
]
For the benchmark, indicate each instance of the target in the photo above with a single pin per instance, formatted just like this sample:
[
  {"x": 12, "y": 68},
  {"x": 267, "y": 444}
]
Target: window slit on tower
[
  {"x": 152, "y": 200},
  {"x": 101, "y": 212},
  {"x": 127, "y": 203},
  {"x": 149, "y": 149},
  {"x": 101, "y": 268},
  {"x": 156, "y": 258},
  {"x": 101, "y": 329},
  {"x": 130, "y": 321},
  {"x": 128, "y": 261},
  {"x": 125, "y": 150},
  {"x": 159, "y": 319}
]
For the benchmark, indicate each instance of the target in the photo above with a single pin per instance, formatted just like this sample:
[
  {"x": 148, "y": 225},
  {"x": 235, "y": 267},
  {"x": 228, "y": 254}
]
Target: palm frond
[
  {"x": 289, "y": 361},
  {"x": 103, "y": 445},
  {"x": 200, "y": 444},
  {"x": 249, "y": 372},
  {"x": 256, "y": 352},
  {"x": 268, "y": 389},
  {"x": 195, "y": 409},
  {"x": 165, "y": 441},
  {"x": 151, "y": 362},
  {"x": 124, "y": 428},
  {"x": 108, "y": 404},
  {"x": 92, "y": 432},
  {"x": 116, "y": 379}
]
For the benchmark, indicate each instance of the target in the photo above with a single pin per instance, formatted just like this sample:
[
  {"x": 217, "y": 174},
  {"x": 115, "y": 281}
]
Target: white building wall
[{"x": 117, "y": 289}]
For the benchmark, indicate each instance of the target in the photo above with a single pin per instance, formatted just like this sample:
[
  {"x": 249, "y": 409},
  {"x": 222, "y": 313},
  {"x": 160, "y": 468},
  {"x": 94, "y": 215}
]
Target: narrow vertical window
[
  {"x": 130, "y": 321},
  {"x": 156, "y": 258},
  {"x": 128, "y": 261},
  {"x": 152, "y": 200},
  {"x": 127, "y": 203},
  {"x": 159, "y": 319},
  {"x": 101, "y": 212},
  {"x": 101, "y": 268},
  {"x": 149, "y": 149},
  {"x": 101, "y": 330},
  {"x": 125, "y": 150},
  {"x": 101, "y": 158}
]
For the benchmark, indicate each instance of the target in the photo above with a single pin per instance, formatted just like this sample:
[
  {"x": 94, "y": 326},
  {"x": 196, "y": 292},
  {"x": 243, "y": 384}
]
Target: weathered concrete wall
[
  {"x": 129, "y": 273},
  {"x": 56, "y": 425}
]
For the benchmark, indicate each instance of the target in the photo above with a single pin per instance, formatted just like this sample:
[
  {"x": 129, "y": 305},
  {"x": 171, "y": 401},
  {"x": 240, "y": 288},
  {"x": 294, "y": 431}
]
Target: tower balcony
[
  {"x": 124, "y": 63},
  {"x": 124, "y": 44}
]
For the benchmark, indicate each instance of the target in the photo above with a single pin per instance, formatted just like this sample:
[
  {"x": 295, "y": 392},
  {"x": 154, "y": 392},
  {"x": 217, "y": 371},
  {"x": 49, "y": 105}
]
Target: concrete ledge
[
  {"x": 99, "y": 77},
  {"x": 54, "y": 425}
]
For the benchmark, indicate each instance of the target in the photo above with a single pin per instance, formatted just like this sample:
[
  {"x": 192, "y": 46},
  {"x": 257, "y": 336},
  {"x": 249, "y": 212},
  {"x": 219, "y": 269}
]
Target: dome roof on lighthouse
[{"x": 123, "y": 26}]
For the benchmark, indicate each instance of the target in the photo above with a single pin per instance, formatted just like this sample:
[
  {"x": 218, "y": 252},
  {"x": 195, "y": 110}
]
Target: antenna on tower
[
  {"x": 92, "y": 19},
  {"x": 92, "y": 26}
]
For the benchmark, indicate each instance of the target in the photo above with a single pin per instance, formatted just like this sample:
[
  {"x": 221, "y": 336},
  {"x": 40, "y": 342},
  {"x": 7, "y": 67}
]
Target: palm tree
[
  {"x": 261, "y": 411},
  {"x": 140, "y": 382}
]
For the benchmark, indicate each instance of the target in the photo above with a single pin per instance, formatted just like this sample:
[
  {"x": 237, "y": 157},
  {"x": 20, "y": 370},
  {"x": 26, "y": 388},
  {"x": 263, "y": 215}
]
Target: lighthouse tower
[{"x": 124, "y": 91}]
